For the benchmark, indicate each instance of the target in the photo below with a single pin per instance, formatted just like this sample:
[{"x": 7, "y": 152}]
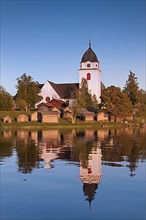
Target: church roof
[
  {"x": 89, "y": 55},
  {"x": 66, "y": 90}
]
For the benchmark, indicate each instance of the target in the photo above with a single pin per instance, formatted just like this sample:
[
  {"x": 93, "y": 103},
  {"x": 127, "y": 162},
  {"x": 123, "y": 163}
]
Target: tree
[
  {"x": 84, "y": 96},
  {"x": 6, "y": 100},
  {"x": 131, "y": 88},
  {"x": 116, "y": 102},
  {"x": 83, "y": 99},
  {"x": 140, "y": 107},
  {"x": 27, "y": 92},
  {"x": 102, "y": 86}
]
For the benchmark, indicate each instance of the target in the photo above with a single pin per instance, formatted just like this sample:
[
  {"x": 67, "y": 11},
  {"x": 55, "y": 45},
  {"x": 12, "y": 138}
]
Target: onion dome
[{"x": 89, "y": 55}]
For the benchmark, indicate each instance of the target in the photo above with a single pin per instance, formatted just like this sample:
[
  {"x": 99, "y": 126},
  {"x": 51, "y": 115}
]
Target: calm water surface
[{"x": 73, "y": 174}]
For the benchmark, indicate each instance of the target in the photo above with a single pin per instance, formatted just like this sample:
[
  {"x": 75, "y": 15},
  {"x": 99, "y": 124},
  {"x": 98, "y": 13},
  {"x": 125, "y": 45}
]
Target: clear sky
[{"x": 46, "y": 40}]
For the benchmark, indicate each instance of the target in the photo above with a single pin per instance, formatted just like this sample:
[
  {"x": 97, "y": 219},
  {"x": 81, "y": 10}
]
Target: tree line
[{"x": 117, "y": 102}]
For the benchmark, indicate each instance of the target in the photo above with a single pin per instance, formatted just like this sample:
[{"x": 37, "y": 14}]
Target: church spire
[{"x": 89, "y": 43}]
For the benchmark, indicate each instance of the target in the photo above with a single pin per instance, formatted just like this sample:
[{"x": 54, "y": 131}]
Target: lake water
[{"x": 73, "y": 174}]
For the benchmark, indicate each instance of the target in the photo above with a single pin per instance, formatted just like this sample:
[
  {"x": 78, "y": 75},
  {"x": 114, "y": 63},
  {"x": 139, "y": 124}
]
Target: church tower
[{"x": 90, "y": 70}]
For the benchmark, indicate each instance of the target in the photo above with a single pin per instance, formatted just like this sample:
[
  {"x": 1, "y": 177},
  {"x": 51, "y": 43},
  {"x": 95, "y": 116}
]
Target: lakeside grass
[{"x": 65, "y": 125}]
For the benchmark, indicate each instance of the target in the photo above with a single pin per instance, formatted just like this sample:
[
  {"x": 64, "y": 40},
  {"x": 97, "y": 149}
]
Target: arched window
[
  {"x": 47, "y": 99},
  {"x": 88, "y": 76}
]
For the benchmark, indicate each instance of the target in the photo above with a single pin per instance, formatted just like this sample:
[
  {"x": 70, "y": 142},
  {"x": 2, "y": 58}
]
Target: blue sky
[{"x": 46, "y": 40}]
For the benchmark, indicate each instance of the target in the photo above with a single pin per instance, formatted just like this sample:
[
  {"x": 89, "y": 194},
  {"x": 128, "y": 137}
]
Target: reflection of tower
[
  {"x": 89, "y": 191},
  {"x": 90, "y": 173}
]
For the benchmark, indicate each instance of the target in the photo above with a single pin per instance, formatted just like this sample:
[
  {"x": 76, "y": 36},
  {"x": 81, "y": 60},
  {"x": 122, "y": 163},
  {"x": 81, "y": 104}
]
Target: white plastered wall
[
  {"x": 48, "y": 91},
  {"x": 94, "y": 84}
]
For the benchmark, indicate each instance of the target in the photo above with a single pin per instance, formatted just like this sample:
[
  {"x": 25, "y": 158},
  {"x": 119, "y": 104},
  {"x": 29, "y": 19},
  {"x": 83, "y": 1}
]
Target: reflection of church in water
[
  {"x": 56, "y": 146},
  {"x": 37, "y": 149}
]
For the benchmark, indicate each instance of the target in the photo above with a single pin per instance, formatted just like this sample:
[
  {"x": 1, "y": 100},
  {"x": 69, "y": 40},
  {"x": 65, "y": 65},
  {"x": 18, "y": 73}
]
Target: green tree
[
  {"x": 131, "y": 88},
  {"x": 102, "y": 86},
  {"x": 84, "y": 96},
  {"x": 21, "y": 103},
  {"x": 116, "y": 102},
  {"x": 6, "y": 100},
  {"x": 83, "y": 99},
  {"x": 27, "y": 92},
  {"x": 140, "y": 107}
]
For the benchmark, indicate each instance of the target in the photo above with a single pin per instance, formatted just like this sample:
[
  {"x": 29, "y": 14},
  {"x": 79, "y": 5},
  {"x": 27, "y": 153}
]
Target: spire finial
[{"x": 89, "y": 43}]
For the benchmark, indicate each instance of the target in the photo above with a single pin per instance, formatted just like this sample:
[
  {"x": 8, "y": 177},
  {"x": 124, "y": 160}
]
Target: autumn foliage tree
[{"x": 27, "y": 92}]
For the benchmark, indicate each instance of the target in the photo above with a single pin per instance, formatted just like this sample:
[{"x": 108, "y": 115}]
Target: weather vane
[{"x": 89, "y": 43}]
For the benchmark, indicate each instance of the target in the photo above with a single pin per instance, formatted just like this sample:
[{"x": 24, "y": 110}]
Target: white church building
[{"x": 89, "y": 69}]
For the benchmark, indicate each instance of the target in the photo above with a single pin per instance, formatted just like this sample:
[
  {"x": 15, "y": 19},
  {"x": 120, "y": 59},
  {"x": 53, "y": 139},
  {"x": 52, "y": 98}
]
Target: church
[{"x": 89, "y": 69}]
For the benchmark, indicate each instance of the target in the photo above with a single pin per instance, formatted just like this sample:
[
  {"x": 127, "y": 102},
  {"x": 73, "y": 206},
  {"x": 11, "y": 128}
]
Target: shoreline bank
[{"x": 37, "y": 125}]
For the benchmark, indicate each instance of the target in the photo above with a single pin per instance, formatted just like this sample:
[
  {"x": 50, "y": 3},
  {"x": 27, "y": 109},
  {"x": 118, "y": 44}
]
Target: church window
[
  {"x": 47, "y": 99},
  {"x": 88, "y": 76}
]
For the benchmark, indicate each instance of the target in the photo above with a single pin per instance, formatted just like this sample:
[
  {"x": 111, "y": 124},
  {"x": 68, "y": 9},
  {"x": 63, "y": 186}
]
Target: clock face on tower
[{"x": 88, "y": 65}]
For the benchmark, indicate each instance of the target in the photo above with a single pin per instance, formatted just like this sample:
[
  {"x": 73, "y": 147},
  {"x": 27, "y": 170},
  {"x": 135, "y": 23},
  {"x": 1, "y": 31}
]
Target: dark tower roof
[
  {"x": 89, "y": 55},
  {"x": 90, "y": 191}
]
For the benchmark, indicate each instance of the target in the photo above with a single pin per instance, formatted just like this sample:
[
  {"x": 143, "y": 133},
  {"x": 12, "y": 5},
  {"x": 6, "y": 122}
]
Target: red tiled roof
[{"x": 57, "y": 103}]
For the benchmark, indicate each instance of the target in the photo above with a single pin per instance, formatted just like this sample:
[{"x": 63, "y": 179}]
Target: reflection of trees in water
[
  {"x": 128, "y": 145},
  {"x": 74, "y": 145},
  {"x": 6, "y": 149},
  {"x": 6, "y": 144},
  {"x": 28, "y": 156}
]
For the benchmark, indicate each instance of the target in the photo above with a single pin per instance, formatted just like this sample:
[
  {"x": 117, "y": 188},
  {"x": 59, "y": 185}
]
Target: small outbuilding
[
  {"x": 88, "y": 116},
  {"x": 129, "y": 118},
  {"x": 44, "y": 108},
  {"x": 51, "y": 117},
  {"x": 112, "y": 119},
  {"x": 34, "y": 116},
  {"x": 119, "y": 119},
  {"x": 67, "y": 113},
  {"x": 7, "y": 119},
  {"x": 102, "y": 117},
  {"x": 22, "y": 118}
]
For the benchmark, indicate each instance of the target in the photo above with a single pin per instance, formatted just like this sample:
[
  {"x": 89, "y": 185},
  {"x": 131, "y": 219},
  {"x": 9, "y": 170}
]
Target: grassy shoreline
[{"x": 37, "y": 125}]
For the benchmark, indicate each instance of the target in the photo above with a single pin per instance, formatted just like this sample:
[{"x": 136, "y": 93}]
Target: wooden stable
[
  {"x": 34, "y": 116},
  {"x": 7, "y": 119},
  {"x": 67, "y": 113},
  {"x": 119, "y": 119},
  {"x": 88, "y": 116},
  {"x": 44, "y": 108},
  {"x": 22, "y": 118},
  {"x": 129, "y": 118},
  {"x": 51, "y": 117},
  {"x": 102, "y": 117},
  {"x": 112, "y": 119}
]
